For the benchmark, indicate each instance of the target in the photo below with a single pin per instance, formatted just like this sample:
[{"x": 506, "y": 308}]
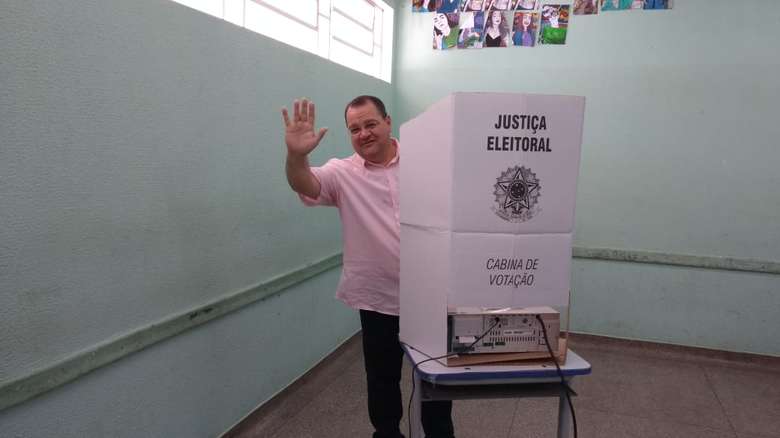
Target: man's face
[{"x": 370, "y": 133}]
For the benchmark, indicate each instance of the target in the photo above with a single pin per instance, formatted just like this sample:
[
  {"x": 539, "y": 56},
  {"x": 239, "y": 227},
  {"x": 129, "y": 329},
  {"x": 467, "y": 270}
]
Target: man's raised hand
[{"x": 299, "y": 132}]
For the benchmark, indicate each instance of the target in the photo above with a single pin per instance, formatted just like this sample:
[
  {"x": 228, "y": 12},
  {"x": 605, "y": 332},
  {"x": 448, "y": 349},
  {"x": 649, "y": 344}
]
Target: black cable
[
  {"x": 566, "y": 388},
  {"x": 416, "y": 366}
]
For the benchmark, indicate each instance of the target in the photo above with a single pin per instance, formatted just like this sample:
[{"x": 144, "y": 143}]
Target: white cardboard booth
[{"x": 488, "y": 188}]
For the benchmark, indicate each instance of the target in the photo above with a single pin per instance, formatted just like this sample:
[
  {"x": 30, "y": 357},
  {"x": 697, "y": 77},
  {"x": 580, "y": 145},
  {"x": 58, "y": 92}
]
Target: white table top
[{"x": 435, "y": 372}]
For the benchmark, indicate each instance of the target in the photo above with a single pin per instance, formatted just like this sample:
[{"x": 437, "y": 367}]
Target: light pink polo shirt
[{"x": 366, "y": 195}]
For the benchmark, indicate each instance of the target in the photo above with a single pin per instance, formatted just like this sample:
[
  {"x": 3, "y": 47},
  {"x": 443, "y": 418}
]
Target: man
[{"x": 364, "y": 187}]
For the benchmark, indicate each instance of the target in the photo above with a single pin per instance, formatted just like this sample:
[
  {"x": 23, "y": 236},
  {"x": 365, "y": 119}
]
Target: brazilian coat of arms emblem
[{"x": 517, "y": 194}]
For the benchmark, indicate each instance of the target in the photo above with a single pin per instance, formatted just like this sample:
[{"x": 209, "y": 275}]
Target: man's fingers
[
  {"x": 296, "y": 111},
  {"x": 304, "y": 109},
  {"x": 311, "y": 112}
]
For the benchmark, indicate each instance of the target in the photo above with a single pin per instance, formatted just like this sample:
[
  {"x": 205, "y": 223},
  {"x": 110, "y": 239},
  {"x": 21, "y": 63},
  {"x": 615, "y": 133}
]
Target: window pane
[
  {"x": 352, "y": 58},
  {"x": 378, "y": 28},
  {"x": 325, "y": 7},
  {"x": 324, "y": 38},
  {"x": 279, "y": 27},
  {"x": 352, "y": 33},
  {"x": 234, "y": 11},
  {"x": 211, "y": 7},
  {"x": 387, "y": 45},
  {"x": 359, "y": 10},
  {"x": 305, "y": 10}
]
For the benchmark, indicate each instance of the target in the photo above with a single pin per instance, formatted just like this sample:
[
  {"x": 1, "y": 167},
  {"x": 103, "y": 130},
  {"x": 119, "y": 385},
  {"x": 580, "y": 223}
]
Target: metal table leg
[
  {"x": 564, "y": 416},
  {"x": 415, "y": 418}
]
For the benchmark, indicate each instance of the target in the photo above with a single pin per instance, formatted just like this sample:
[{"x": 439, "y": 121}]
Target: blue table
[{"x": 435, "y": 381}]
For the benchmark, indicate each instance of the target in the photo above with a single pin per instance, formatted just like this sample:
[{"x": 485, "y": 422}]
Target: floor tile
[
  {"x": 599, "y": 424},
  {"x": 750, "y": 398},
  {"x": 536, "y": 417},
  {"x": 338, "y": 411},
  {"x": 483, "y": 418},
  {"x": 650, "y": 388},
  {"x": 750, "y": 435},
  {"x": 636, "y": 390}
]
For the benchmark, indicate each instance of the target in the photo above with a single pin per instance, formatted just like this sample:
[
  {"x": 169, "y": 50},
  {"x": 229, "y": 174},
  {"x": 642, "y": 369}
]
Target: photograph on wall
[
  {"x": 524, "y": 29},
  {"x": 423, "y": 5},
  {"x": 615, "y": 5},
  {"x": 447, "y": 6},
  {"x": 496, "y": 29},
  {"x": 585, "y": 7},
  {"x": 445, "y": 30},
  {"x": 472, "y": 27},
  {"x": 658, "y": 4},
  {"x": 499, "y": 5},
  {"x": 555, "y": 23},
  {"x": 524, "y": 5},
  {"x": 474, "y": 5}
]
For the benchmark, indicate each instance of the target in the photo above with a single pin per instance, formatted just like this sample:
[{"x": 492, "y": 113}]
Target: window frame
[{"x": 376, "y": 62}]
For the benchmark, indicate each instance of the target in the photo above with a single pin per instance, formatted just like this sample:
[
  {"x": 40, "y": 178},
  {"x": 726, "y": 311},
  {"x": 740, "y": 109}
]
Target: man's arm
[
  {"x": 300, "y": 177},
  {"x": 301, "y": 140}
]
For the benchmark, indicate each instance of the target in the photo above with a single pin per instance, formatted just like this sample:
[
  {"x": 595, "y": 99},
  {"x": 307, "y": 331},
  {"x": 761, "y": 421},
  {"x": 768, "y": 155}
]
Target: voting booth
[{"x": 488, "y": 189}]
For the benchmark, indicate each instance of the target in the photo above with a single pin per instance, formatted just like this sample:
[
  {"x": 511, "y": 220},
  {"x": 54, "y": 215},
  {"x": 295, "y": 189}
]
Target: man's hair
[{"x": 364, "y": 99}]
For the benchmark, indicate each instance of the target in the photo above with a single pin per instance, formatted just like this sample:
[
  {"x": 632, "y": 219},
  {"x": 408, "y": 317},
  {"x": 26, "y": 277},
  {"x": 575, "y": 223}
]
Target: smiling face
[
  {"x": 370, "y": 133},
  {"x": 526, "y": 20}
]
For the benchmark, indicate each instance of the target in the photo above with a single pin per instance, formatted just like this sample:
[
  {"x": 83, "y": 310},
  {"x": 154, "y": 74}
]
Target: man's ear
[{"x": 389, "y": 120}]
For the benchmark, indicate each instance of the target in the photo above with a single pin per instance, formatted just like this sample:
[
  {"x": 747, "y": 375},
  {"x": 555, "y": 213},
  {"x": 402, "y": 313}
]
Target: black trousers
[{"x": 383, "y": 359}]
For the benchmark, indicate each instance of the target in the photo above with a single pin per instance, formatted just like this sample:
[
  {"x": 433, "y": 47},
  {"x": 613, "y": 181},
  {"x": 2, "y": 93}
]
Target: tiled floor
[{"x": 636, "y": 390}]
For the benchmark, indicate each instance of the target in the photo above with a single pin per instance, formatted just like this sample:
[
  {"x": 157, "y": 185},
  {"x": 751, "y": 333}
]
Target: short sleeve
[{"x": 327, "y": 175}]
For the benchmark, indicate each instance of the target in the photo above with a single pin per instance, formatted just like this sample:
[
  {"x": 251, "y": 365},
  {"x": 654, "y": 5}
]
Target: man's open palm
[{"x": 299, "y": 131}]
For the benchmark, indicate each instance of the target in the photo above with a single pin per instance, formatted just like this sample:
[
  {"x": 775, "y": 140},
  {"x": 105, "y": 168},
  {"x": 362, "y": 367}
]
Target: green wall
[
  {"x": 141, "y": 177},
  {"x": 141, "y": 181},
  {"x": 679, "y": 157}
]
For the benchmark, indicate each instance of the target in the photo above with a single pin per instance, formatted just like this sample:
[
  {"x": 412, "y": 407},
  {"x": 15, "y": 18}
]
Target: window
[{"x": 355, "y": 33}]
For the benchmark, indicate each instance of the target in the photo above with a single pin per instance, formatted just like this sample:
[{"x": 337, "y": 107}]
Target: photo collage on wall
[{"x": 476, "y": 24}]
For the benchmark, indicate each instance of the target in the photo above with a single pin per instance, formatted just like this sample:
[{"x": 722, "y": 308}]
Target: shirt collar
[{"x": 395, "y": 159}]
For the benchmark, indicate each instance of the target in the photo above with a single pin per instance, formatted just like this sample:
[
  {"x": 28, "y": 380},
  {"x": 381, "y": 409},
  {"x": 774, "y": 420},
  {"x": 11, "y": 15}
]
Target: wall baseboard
[{"x": 687, "y": 260}]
